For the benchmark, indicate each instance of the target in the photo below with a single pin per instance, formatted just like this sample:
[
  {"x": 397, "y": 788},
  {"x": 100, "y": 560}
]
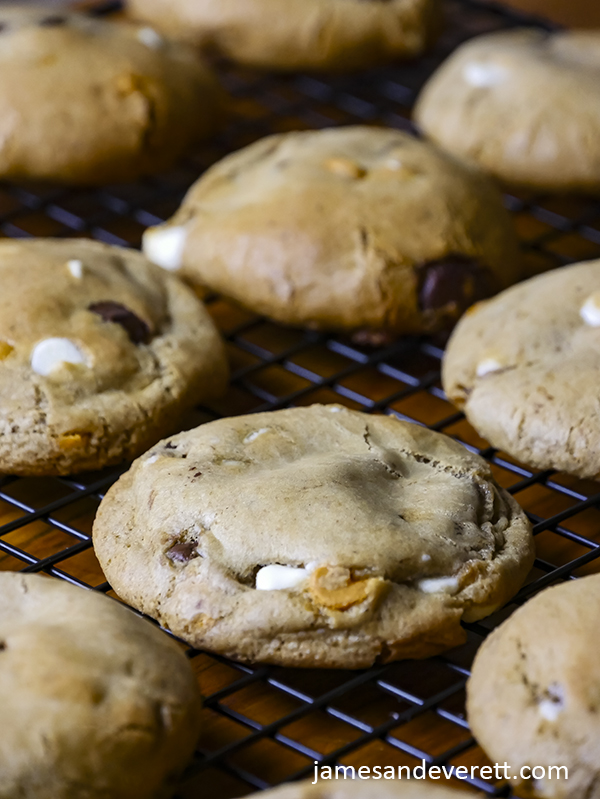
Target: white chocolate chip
[
  {"x": 439, "y": 585},
  {"x": 51, "y": 353},
  {"x": 487, "y": 366},
  {"x": 425, "y": 557},
  {"x": 483, "y": 76},
  {"x": 164, "y": 246},
  {"x": 277, "y": 578},
  {"x": 335, "y": 409},
  {"x": 254, "y": 435},
  {"x": 150, "y": 38},
  {"x": 75, "y": 267},
  {"x": 152, "y": 459},
  {"x": 553, "y": 703},
  {"x": 590, "y": 310}
]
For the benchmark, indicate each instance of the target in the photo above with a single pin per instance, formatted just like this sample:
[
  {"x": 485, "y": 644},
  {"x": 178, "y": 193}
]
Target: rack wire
[{"x": 266, "y": 725}]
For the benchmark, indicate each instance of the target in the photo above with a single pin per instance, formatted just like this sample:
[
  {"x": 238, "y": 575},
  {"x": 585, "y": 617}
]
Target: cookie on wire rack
[
  {"x": 100, "y": 351},
  {"x": 86, "y": 100},
  {"x": 95, "y": 702},
  {"x": 524, "y": 105},
  {"x": 299, "y": 34},
  {"x": 354, "y": 229},
  {"x": 317, "y": 537}
]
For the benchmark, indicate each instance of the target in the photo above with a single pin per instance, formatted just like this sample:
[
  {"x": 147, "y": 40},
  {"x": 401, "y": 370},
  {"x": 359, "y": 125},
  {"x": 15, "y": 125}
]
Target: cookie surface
[
  {"x": 533, "y": 696},
  {"x": 377, "y": 788},
  {"x": 524, "y": 105},
  {"x": 85, "y": 100},
  {"x": 345, "y": 229},
  {"x": 524, "y": 367},
  {"x": 307, "y": 537},
  {"x": 95, "y": 702},
  {"x": 99, "y": 352},
  {"x": 299, "y": 34}
]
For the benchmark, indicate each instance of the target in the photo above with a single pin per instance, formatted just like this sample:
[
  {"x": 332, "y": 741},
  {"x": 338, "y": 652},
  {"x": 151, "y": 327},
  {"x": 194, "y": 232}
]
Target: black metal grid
[{"x": 265, "y": 725}]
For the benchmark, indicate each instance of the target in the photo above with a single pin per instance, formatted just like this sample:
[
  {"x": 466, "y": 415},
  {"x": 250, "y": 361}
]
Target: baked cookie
[
  {"x": 524, "y": 367},
  {"x": 522, "y": 104},
  {"x": 99, "y": 352},
  {"x": 96, "y": 702},
  {"x": 85, "y": 100},
  {"x": 307, "y": 537},
  {"x": 299, "y": 34},
  {"x": 367, "y": 788},
  {"x": 534, "y": 694},
  {"x": 343, "y": 229}
]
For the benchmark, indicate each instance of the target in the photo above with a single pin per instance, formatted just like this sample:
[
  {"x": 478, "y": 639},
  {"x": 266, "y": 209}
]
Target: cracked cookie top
[
  {"x": 98, "y": 348},
  {"x": 358, "y": 228},
  {"x": 87, "y": 100},
  {"x": 313, "y": 535},
  {"x": 95, "y": 701},
  {"x": 524, "y": 366},
  {"x": 533, "y": 698}
]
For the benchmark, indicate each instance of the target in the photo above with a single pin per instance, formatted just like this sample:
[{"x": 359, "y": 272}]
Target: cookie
[
  {"x": 307, "y": 537},
  {"x": 533, "y": 699},
  {"x": 96, "y": 702},
  {"x": 522, "y": 104},
  {"x": 343, "y": 229},
  {"x": 299, "y": 34},
  {"x": 372, "y": 787},
  {"x": 86, "y": 100},
  {"x": 524, "y": 368},
  {"x": 99, "y": 352}
]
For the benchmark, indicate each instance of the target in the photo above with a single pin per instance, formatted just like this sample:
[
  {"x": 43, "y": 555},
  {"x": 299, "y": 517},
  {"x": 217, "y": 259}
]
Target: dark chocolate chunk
[
  {"x": 137, "y": 330},
  {"x": 182, "y": 553},
  {"x": 453, "y": 284},
  {"x": 53, "y": 21},
  {"x": 170, "y": 445}
]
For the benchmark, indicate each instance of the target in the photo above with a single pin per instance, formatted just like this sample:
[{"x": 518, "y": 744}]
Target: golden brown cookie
[
  {"x": 95, "y": 702},
  {"x": 87, "y": 100},
  {"x": 533, "y": 699},
  {"x": 524, "y": 367},
  {"x": 522, "y": 104},
  {"x": 99, "y": 353},
  {"x": 343, "y": 229},
  {"x": 299, "y": 34},
  {"x": 309, "y": 537}
]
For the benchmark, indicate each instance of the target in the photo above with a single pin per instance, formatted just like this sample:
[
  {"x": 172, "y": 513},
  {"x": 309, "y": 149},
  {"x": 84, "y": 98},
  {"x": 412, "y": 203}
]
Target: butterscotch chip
[
  {"x": 111, "y": 697},
  {"x": 104, "y": 355},
  {"x": 5, "y": 349},
  {"x": 308, "y": 537}
]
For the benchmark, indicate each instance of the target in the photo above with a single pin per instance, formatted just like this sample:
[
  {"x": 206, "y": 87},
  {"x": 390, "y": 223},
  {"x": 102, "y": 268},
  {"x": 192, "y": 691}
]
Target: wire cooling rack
[{"x": 266, "y": 725}]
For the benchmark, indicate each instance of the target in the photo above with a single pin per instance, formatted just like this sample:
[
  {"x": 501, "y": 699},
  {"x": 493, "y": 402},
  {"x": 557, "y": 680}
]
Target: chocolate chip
[
  {"x": 52, "y": 21},
  {"x": 137, "y": 330},
  {"x": 170, "y": 445},
  {"x": 453, "y": 284},
  {"x": 182, "y": 553}
]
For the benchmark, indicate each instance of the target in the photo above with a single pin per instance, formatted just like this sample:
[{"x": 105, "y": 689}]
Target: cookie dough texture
[
  {"x": 85, "y": 100},
  {"x": 524, "y": 105},
  {"x": 99, "y": 352},
  {"x": 363, "y": 789},
  {"x": 95, "y": 702},
  {"x": 342, "y": 500},
  {"x": 534, "y": 695},
  {"x": 343, "y": 229},
  {"x": 524, "y": 367},
  {"x": 299, "y": 34}
]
